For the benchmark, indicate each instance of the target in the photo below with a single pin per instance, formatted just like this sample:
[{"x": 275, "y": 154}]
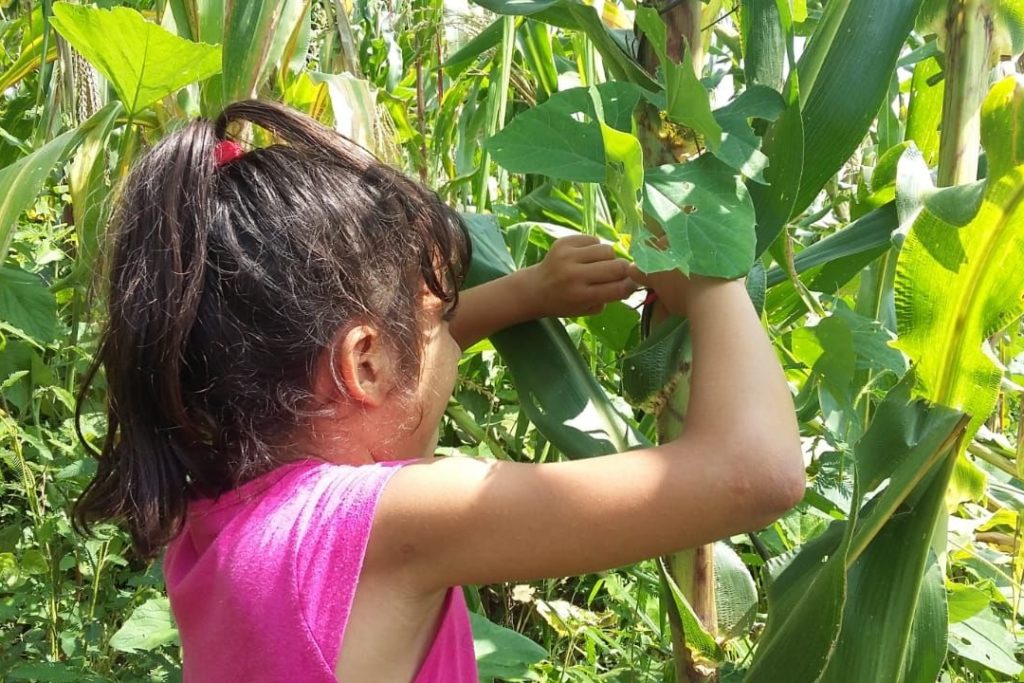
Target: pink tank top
[{"x": 261, "y": 580}]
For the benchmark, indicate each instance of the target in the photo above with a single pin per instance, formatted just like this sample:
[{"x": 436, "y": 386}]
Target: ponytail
[{"x": 155, "y": 276}]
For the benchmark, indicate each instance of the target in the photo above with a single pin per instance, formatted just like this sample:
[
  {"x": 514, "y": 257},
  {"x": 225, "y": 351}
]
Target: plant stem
[
  {"x": 465, "y": 421},
  {"x": 497, "y": 101},
  {"x": 969, "y": 27}
]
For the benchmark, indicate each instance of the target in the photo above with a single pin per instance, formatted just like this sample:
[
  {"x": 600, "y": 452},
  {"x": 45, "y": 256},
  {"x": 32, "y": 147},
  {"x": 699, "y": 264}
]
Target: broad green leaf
[
  {"x": 624, "y": 174},
  {"x": 1003, "y": 125},
  {"x": 925, "y": 110},
  {"x": 707, "y": 215},
  {"x": 835, "y": 348},
  {"x": 616, "y": 325},
  {"x": 853, "y": 50},
  {"x": 686, "y": 100},
  {"x": 46, "y": 672},
  {"x": 740, "y": 147},
  {"x": 150, "y": 626},
  {"x": 562, "y": 137},
  {"x": 965, "y": 601},
  {"x": 145, "y": 63},
  {"x": 256, "y": 34},
  {"x": 501, "y": 652},
  {"x": 575, "y": 414},
  {"x": 26, "y": 303},
  {"x": 985, "y": 639}
]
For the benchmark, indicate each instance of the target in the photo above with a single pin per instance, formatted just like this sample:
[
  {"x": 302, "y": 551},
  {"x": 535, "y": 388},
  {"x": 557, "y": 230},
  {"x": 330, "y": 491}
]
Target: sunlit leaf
[
  {"x": 501, "y": 652},
  {"x": 150, "y": 626},
  {"x": 707, "y": 216},
  {"x": 145, "y": 63}
]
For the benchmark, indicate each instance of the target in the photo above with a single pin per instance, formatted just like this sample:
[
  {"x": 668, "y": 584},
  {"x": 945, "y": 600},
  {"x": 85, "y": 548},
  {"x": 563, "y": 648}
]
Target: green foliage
[{"x": 802, "y": 184}]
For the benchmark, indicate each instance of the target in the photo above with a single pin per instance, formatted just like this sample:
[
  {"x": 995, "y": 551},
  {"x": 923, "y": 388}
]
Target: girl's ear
[{"x": 365, "y": 365}]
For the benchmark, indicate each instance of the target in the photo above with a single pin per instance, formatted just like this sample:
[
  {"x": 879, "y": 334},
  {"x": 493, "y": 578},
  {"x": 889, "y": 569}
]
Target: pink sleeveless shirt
[{"x": 261, "y": 580}]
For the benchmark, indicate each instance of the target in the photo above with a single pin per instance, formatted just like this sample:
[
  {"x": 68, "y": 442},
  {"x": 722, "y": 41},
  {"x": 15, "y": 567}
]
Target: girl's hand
[
  {"x": 578, "y": 276},
  {"x": 671, "y": 286}
]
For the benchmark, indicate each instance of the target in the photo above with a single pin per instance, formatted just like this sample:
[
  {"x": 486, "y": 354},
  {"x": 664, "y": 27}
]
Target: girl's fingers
[
  {"x": 600, "y": 272},
  {"x": 613, "y": 291},
  {"x": 594, "y": 252},
  {"x": 580, "y": 240}
]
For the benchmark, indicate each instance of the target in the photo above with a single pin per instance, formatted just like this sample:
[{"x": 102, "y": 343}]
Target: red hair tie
[{"x": 227, "y": 151}]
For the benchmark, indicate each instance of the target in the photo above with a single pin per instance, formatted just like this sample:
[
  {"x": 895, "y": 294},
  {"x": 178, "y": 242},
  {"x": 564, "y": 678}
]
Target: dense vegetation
[{"x": 859, "y": 161}]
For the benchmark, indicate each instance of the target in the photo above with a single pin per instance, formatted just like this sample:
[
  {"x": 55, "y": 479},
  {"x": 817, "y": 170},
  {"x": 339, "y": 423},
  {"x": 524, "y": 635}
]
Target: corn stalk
[{"x": 693, "y": 571}]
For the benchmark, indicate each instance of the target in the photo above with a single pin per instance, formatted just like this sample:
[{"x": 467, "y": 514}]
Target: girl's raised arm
[{"x": 737, "y": 467}]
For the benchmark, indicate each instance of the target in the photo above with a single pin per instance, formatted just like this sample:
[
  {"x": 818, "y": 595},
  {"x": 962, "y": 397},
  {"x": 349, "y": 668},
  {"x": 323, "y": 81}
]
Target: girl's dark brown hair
[{"x": 226, "y": 284}]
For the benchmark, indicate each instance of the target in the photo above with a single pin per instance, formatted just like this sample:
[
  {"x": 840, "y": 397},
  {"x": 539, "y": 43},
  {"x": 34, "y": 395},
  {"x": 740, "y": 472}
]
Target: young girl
[{"x": 279, "y": 352}]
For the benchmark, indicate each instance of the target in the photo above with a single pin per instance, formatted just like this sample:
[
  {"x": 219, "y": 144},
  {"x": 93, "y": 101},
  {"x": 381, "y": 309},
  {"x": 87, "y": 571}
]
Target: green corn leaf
[
  {"x": 925, "y": 110},
  {"x": 353, "y": 105},
  {"x": 853, "y": 50},
  {"x": 813, "y": 600},
  {"x": 784, "y": 146},
  {"x": 575, "y": 414},
  {"x": 28, "y": 62},
  {"x": 256, "y": 34},
  {"x": 764, "y": 51},
  {"x": 145, "y": 63},
  {"x": 23, "y": 179},
  {"x": 575, "y": 15},
  {"x": 535, "y": 43},
  {"x": 927, "y": 646},
  {"x": 870, "y": 234},
  {"x": 883, "y": 588},
  {"x": 952, "y": 293},
  {"x": 198, "y": 20},
  {"x": 462, "y": 58},
  {"x": 90, "y": 191},
  {"x": 703, "y": 649}
]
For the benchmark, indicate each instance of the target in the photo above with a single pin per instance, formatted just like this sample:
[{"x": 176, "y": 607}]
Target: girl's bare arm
[{"x": 736, "y": 467}]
